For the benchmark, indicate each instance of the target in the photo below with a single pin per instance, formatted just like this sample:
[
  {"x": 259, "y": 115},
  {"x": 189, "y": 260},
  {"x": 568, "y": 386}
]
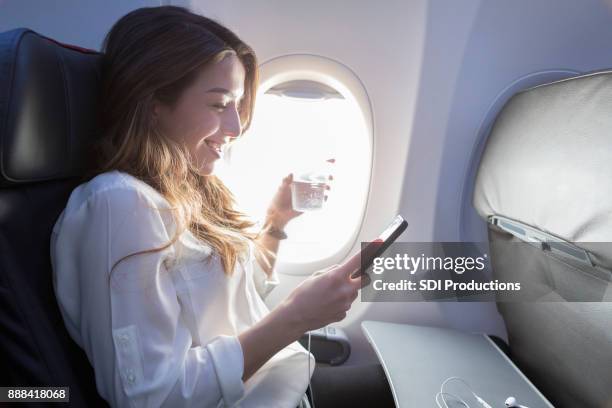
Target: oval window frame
[{"x": 334, "y": 74}]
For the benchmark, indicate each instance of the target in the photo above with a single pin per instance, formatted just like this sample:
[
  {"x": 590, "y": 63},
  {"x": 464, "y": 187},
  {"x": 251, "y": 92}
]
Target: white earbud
[{"x": 511, "y": 403}]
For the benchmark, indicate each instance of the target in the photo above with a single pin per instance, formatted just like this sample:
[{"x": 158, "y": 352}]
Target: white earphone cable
[
  {"x": 441, "y": 394},
  {"x": 309, "y": 384}
]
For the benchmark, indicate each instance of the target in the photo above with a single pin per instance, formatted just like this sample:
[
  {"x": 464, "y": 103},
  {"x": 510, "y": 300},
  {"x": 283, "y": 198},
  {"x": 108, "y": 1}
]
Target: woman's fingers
[
  {"x": 354, "y": 294},
  {"x": 352, "y": 265},
  {"x": 339, "y": 316},
  {"x": 325, "y": 270},
  {"x": 358, "y": 282},
  {"x": 365, "y": 280}
]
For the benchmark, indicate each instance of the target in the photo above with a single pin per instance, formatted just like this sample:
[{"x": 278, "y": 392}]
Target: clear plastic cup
[
  {"x": 307, "y": 196},
  {"x": 308, "y": 189}
]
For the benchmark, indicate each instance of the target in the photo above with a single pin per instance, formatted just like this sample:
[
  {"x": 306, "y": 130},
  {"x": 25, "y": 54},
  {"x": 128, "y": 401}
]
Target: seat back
[
  {"x": 547, "y": 168},
  {"x": 48, "y": 96}
]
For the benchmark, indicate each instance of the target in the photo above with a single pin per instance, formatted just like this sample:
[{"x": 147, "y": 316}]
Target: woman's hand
[
  {"x": 281, "y": 211},
  {"x": 321, "y": 299},
  {"x": 325, "y": 297}
]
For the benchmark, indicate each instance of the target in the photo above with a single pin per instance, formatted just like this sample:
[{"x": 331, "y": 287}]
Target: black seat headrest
[{"x": 48, "y": 97}]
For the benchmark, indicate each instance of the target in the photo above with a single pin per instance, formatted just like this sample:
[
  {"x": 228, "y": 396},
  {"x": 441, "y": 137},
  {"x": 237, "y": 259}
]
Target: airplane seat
[
  {"x": 48, "y": 93},
  {"x": 547, "y": 172}
]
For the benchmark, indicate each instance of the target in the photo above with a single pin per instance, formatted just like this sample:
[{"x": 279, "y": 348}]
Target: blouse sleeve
[
  {"x": 155, "y": 363},
  {"x": 264, "y": 283}
]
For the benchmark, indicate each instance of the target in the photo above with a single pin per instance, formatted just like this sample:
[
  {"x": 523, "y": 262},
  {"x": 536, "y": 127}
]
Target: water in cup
[
  {"x": 307, "y": 196},
  {"x": 308, "y": 189}
]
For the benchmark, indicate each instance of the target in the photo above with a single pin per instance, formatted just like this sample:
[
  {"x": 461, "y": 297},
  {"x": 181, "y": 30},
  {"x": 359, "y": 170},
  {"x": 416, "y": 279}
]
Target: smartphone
[{"x": 377, "y": 247}]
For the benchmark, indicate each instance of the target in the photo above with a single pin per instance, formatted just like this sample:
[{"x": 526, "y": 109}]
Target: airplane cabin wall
[{"x": 435, "y": 71}]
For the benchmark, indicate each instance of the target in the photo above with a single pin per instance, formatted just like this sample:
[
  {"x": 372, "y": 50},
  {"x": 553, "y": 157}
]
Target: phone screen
[{"x": 377, "y": 247}]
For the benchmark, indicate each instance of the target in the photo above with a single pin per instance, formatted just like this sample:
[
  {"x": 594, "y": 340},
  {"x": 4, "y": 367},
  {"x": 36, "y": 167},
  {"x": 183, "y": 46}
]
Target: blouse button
[
  {"x": 124, "y": 340},
  {"x": 130, "y": 375}
]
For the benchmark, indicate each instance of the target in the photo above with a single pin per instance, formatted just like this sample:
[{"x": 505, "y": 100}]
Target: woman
[{"x": 157, "y": 276}]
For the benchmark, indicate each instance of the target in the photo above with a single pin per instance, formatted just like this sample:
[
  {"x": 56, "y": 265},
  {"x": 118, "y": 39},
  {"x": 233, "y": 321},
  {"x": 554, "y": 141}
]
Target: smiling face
[{"x": 205, "y": 116}]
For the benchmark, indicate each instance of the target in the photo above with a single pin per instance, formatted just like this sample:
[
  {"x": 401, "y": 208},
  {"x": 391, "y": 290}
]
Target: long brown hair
[{"x": 155, "y": 53}]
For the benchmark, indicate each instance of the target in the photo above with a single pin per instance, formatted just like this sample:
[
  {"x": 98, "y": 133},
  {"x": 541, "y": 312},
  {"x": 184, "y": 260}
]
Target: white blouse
[{"x": 162, "y": 331}]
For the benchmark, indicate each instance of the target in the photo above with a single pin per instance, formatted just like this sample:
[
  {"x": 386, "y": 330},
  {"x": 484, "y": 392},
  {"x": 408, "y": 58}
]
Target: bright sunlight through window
[{"x": 297, "y": 126}]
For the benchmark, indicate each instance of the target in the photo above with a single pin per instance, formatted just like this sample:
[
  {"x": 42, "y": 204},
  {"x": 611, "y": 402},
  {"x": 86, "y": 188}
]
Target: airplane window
[{"x": 297, "y": 126}]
